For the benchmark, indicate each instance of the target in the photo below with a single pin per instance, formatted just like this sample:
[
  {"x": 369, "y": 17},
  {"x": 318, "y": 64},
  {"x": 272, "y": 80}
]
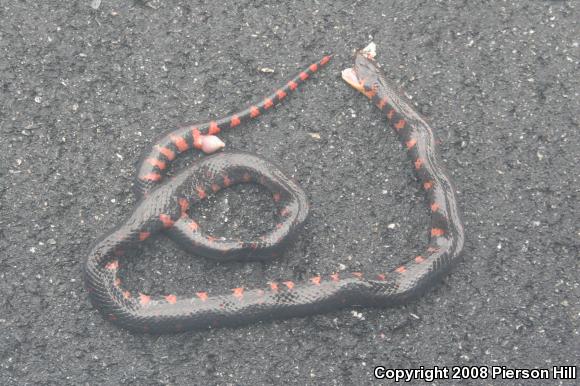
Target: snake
[{"x": 165, "y": 202}]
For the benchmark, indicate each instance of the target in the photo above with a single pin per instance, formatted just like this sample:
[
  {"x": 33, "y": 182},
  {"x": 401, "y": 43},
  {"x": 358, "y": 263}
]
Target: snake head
[{"x": 364, "y": 75}]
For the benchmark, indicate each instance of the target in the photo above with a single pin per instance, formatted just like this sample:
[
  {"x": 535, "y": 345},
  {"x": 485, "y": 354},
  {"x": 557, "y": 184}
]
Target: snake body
[{"x": 164, "y": 207}]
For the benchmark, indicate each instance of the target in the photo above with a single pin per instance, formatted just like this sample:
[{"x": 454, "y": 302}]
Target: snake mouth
[
  {"x": 350, "y": 77},
  {"x": 363, "y": 59}
]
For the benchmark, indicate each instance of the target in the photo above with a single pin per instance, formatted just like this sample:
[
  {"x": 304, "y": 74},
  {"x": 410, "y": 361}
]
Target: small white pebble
[{"x": 358, "y": 315}]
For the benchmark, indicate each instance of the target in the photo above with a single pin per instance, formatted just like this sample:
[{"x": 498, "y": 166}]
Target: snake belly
[{"x": 164, "y": 208}]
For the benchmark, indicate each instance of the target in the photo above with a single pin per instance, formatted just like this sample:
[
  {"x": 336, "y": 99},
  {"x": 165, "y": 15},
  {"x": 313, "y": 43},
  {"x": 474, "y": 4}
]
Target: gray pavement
[{"x": 84, "y": 91}]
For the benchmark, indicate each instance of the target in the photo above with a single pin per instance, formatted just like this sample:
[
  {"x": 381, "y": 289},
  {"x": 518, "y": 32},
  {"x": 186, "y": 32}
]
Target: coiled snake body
[{"x": 164, "y": 207}]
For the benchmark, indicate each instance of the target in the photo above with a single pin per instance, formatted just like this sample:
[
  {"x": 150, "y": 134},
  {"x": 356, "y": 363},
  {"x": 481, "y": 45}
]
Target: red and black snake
[{"x": 164, "y": 207}]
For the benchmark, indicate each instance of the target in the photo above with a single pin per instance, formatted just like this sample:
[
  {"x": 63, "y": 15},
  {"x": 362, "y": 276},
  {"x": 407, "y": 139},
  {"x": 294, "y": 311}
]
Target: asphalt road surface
[{"x": 85, "y": 90}]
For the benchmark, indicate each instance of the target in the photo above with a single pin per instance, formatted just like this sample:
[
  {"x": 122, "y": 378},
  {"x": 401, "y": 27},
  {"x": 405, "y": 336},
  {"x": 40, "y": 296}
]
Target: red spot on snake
[
  {"x": 284, "y": 211},
  {"x": 418, "y": 163},
  {"x": 117, "y": 282},
  {"x": 357, "y": 274},
  {"x": 434, "y": 207},
  {"x": 197, "y": 141},
  {"x": 401, "y": 269},
  {"x": 419, "y": 259},
  {"x": 180, "y": 143},
  {"x": 325, "y": 60},
  {"x": 382, "y": 103},
  {"x": 268, "y": 103},
  {"x": 381, "y": 276},
  {"x": 371, "y": 92},
  {"x": 202, "y": 296},
  {"x": 193, "y": 226},
  {"x": 144, "y": 299},
  {"x": 335, "y": 277},
  {"x": 279, "y": 226},
  {"x": 313, "y": 67},
  {"x": 427, "y": 185},
  {"x": 274, "y": 286},
  {"x": 112, "y": 265},
  {"x": 436, "y": 232},
  {"x": 238, "y": 292},
  {"x": 390, "y": 113},
  {"x": 112, "y": 317},
  {"x": 144, "y": 235},
  {"x": 254, "y": 111},
  {"x": 201, "y": 193},
  {"x": 280, "y": 94},
  {"x": 227, "y": 181},
  {"x": 292, "y": 85},
  {"x": 215, "y": 187},
  {"x": 303, "y": 75},
  {"x": 157, "y": 163},
  {"x": 151, "y": 177},
  {"x": 235, "y": 121},
  {"x": 126, "y": 294},
  {"x": 211, "y": 239},
  {"x": 172, "y": 299},
  {"x": 213, "y": 128},
  {"x": 432, "y": 249},
  {"x": 410, "y": 143},
  {"x": 166, "y": 220},
  {"x": 168, "y": 153},
  {"x": 316, "y": 280},
  {"x": 183, "y": 205},
  {"x": 276, "y": 197},
  {"x": 400, "y": 124},
  {"x": 289, "y": 284}
]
